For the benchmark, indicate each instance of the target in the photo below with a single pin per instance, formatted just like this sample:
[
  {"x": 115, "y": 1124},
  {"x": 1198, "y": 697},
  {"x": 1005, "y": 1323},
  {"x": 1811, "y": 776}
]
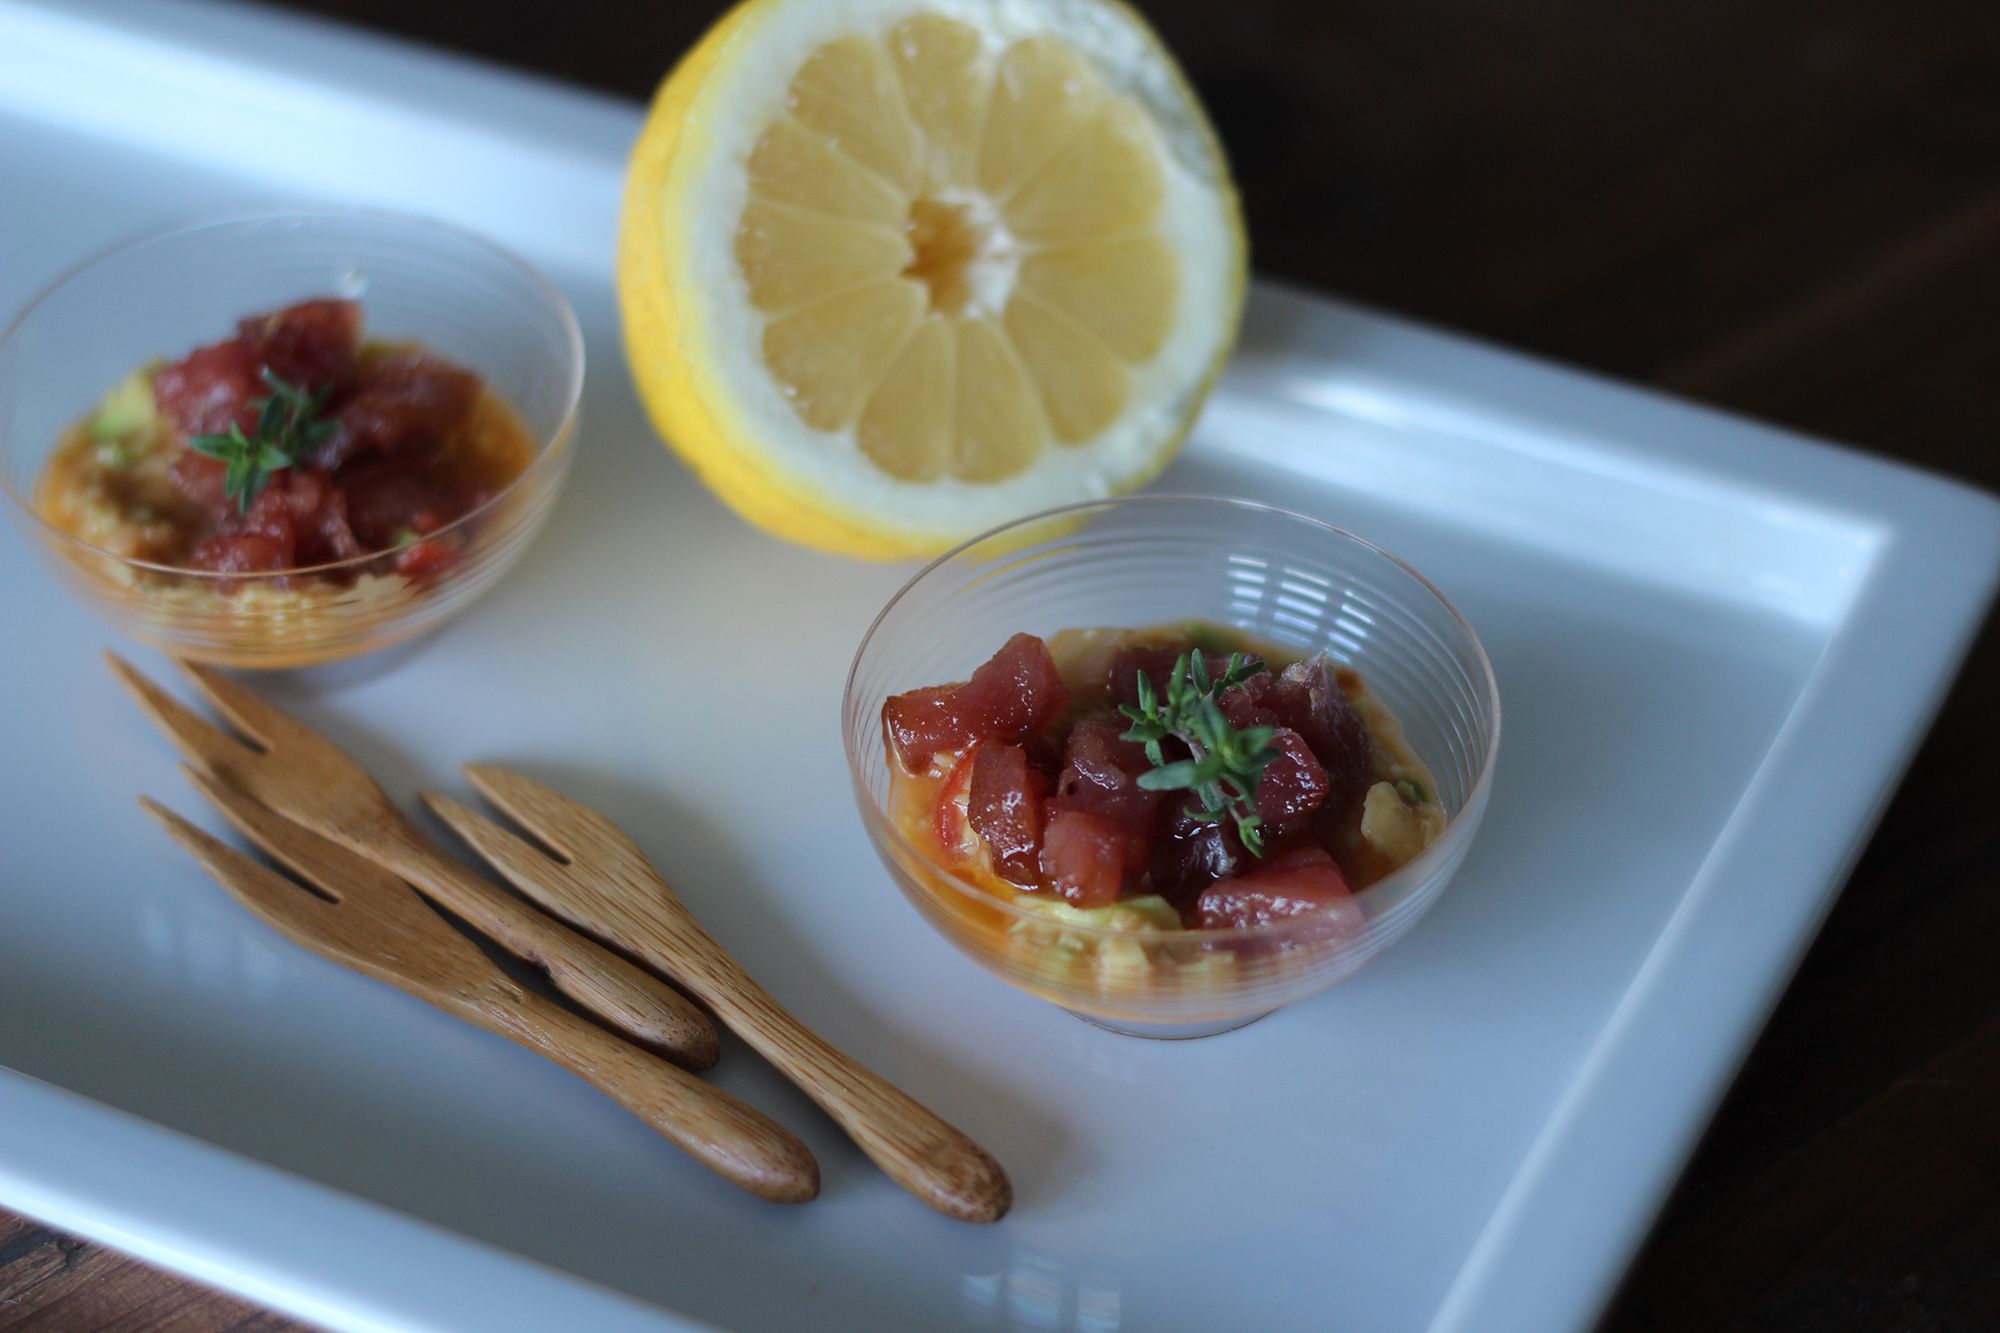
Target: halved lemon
[{"x": 895, "y": 271}]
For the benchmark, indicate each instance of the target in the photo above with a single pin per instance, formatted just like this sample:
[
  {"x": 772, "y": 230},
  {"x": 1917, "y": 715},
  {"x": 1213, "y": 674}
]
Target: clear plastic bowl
[
  {"x": 1152, "y": 560},
  {"x": 458, "y": 295}
]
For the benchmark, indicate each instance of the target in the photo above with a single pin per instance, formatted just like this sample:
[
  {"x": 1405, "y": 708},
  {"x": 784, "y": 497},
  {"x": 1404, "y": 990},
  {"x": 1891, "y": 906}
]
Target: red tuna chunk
[
  {"x": 1189, "y": 854},
  {"x": 1305, "y": 882},
  {"x": 1105, "y": 847},
  {"x": 298, "y": 519},
  {"x": 1005, "y": 807},
  {"x": 923, "y": 722},
  {"x": 312, "y": 345},
  {"x": 1014, "y": 694},
  {"x": 407, "y": 399},
  {"x": 1308, "y": 699},
  {"x": 1158, "y": 664},
  {"x": 1087, "y": 857},
  {"x": 1291, "y": 788}
]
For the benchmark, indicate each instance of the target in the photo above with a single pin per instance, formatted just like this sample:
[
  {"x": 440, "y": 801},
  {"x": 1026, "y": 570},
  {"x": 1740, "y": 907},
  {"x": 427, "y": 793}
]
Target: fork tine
[
  {"x": 293, "y": 911},
  {"x": 526, "y": 865},
  {"x": 327, "y": 866},
  {"x": 378, "y": 904},
  {"x": 262, "y": 722},
  {"x": 205, "y": 745},
  {"x": 554, "y": 818}
]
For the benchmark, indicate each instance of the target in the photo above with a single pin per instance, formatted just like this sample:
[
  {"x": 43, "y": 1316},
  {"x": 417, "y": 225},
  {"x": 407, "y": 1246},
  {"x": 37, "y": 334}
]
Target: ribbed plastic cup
[
  {"x": 1151, "y": 560},
  {"x": 460, "y": 296}
]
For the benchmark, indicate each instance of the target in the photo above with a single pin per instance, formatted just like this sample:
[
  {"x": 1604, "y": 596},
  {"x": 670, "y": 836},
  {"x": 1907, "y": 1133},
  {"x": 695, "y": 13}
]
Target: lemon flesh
[{"x": 891, "y": 277}]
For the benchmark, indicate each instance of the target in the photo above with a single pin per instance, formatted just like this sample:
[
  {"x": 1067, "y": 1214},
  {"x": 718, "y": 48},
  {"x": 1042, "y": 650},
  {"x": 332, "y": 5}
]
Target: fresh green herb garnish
[
  {"x": 288, "y": 429},
  {"x": 1224, "y": 763}
]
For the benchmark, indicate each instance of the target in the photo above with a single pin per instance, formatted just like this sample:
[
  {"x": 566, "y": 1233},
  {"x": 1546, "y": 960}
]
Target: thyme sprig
[
  {"x": 1224, "y": 763},
  {"x": 289, "y": 428}
]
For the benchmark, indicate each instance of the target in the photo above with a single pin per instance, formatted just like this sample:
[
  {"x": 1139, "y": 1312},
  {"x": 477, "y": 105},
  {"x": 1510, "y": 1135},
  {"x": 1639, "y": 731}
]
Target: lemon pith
[{"x": 891, "y": 273}]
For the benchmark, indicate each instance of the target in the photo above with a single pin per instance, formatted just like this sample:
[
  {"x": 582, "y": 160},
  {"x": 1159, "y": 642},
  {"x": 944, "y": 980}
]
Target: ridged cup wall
[
  {"x": 455, "y": 293},
  {"x": 1153, "y": 560}
]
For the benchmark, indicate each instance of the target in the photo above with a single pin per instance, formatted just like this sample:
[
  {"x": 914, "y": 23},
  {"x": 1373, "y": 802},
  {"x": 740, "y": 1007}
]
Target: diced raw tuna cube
[
  {"x": 1190, "y": 854},
  {"x": 1014, "y": 693},
  {"x": 407, "y": 400},
  {"x": 1106, "y": 850},
  {"x": 311, "y": 345},
  {"x": 1304, "y": 882},
  {"x": 1292, "y": 786},
  {"x": 1158, "y": 664},
  {"x": 1308, "y": 699},
  {"x": 1005, "y": 808},
  {"x": 923, "y": 722},
  {"x": 1087, "y": 857}
]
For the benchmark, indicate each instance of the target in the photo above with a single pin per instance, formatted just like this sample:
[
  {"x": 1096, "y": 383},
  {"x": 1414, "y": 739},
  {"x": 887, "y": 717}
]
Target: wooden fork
[
  {"x": 604, "y": 884},
  {"x": 374, "y": 923},
  {"x": 309, "y": 780}
]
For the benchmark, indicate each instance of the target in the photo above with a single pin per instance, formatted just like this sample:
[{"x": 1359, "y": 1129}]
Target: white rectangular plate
[{"x": 1717, "y": 646}]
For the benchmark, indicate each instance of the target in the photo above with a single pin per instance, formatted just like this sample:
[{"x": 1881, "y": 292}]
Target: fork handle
[
  {"x": 625, "y": 996},
  {"x": 915, "y": 1146},
  {"x": 737, "y": 1142}
]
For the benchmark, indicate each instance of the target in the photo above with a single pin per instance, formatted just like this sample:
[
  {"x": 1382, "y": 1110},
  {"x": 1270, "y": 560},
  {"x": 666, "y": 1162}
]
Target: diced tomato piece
[
  {"x": 1014, "y": 693},
  {"x": 406, "y": 400},
  {"x": 1087, "y": 857},
  {"x": 1308, "y": 699},
  {"x": 921, "y": 723},
  {"x": 1005, "y": 807},
  {"x": 1304, "y": 882},
  {"x": 421, "y": 559},
  {"x": 954, "y": 830}
]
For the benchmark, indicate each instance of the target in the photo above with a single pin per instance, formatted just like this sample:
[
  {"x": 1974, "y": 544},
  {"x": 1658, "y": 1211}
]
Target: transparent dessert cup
[
  {"x": 1152, "y": 560},
  {"x": 458, "y": 295}
]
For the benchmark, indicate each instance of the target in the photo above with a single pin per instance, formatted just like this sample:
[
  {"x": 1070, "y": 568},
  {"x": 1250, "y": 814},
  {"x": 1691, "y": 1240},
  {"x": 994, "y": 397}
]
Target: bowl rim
[
  {"x": 547, "y": 444},
  {"x": 1457, "y": 831}
]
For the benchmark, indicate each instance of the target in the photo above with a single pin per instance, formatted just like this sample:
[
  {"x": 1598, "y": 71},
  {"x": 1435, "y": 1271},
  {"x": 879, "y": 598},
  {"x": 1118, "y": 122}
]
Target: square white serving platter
[{"x": 1717, "y": 645}]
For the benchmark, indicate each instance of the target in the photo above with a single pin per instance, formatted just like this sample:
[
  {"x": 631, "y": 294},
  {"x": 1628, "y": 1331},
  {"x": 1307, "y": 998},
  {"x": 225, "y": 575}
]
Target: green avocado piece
[{"x": 127, "y": 411}]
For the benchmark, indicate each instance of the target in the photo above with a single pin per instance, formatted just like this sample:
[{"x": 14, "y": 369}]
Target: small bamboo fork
[
  {"x": 366, "y": 919},
  {"x": 309, "y": 780},
  {"x": 604, "y": 884}
]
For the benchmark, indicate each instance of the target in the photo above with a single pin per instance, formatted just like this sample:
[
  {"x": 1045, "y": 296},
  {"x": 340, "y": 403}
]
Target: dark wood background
[{"x": 1790, "y": 208}]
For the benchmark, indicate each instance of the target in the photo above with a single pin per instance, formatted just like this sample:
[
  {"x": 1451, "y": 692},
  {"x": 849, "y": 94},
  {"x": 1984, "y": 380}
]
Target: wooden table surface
[{"x": 1788, "y": 208}]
